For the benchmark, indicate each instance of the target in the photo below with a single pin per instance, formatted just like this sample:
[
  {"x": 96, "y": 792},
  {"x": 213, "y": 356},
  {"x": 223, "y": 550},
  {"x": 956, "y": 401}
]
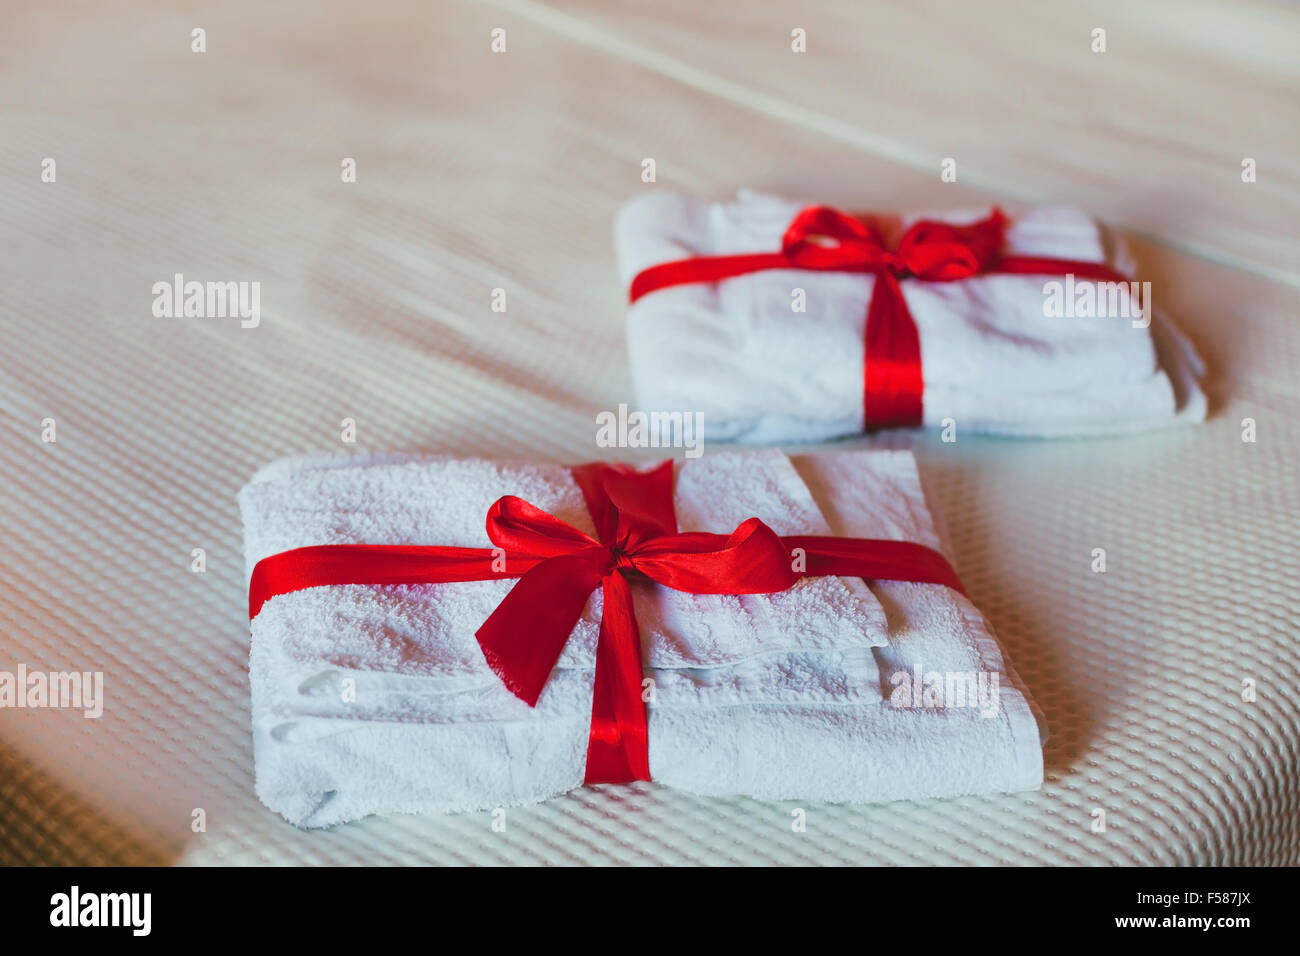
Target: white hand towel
[
  {"x": 992, "y": 360},
  {"x": 430, "y": 728},
  {"x": 409, "y": 653}
]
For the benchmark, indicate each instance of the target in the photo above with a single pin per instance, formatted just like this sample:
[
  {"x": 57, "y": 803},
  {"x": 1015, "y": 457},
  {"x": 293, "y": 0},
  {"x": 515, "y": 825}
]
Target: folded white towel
[
  {"x": 771, "y": 695},
  {"x": 992, "y": 361}
]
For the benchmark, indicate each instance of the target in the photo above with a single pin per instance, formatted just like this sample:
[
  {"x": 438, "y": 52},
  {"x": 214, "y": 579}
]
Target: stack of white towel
[
  {"x": 993, "y": 362},
  {"x": 377, "y": 699}
]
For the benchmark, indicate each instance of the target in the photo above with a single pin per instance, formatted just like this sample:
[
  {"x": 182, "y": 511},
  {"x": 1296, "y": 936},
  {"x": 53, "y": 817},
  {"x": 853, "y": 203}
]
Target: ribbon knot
[{"x": 622, "y": 561}]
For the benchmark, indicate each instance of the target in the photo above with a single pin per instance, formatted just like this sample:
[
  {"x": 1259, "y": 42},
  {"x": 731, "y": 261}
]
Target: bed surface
[{"x": 478, "y": 171}]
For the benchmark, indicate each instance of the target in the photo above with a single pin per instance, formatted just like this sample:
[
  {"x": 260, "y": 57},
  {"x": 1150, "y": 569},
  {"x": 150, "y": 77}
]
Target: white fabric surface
[
  {"x": 772, "y": 696},
  {"x": 736, "y": 351},
  {"x": 478, "y": 172}
]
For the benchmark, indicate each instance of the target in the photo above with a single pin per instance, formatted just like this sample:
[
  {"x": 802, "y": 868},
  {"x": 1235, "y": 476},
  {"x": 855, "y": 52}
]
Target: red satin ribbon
[
  {"x": 558, "y": 568},
  {"x": 823, "y": 239}
]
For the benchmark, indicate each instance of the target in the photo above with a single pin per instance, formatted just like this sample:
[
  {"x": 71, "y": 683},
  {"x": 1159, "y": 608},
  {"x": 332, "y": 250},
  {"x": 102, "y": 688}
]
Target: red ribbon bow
[
  {"x": 825, "y": 240},
  {"x": 559, "y": 567}
]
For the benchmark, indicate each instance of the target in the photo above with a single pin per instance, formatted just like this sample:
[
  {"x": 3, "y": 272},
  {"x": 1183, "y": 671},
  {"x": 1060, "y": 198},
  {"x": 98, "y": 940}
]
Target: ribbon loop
[
  {"x": 517, "y": 526},
  {"x": 751, "y": 560},
  {"x": 628, "y": 506},
  {"x": 940, "y": 252},
  {"x": 823, "y": 238}
]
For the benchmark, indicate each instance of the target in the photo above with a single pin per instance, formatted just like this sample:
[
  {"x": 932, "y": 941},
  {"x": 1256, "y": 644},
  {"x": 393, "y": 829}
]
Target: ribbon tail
[
  {"x": 706, "y": 269},
  {"x": 874, "y": 559},
  {"x": 523, "y": 637},
  {"x": 618, "y": 746},
  {"x": 371, "y": 564},
  {"x": 892, "y": 382}
]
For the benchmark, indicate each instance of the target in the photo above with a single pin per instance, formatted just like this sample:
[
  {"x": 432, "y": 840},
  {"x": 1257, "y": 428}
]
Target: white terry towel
[
  {"x": 432, "y": 729},
  {"x": 992, "y": 361}
]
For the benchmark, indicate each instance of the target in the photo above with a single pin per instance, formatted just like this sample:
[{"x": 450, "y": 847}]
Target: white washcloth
[
  {"x": 765, "y": 694},
  {"x": 992, "y": 361}
]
